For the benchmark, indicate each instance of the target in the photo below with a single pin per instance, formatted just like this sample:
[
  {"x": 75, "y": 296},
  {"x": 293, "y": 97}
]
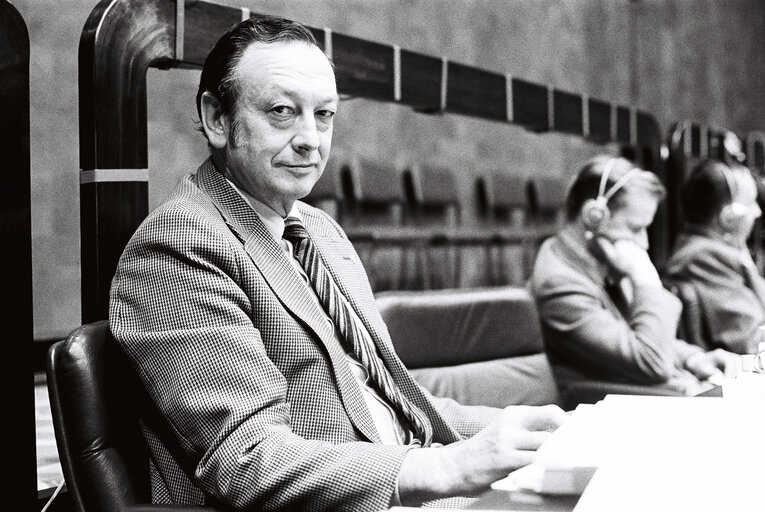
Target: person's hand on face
[
  {"x": 626, "y": 258},
  {"x": 622, "y": 241}
]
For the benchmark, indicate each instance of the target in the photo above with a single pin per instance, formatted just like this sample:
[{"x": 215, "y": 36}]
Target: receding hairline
[
  {"x": 643, "y": 182},
  {"x": 237, "y": 71}
]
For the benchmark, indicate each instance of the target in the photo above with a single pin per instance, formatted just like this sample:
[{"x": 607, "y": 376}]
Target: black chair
[
  {"x": 376, "y": 222},
  {"x": 547, "y": 195},
  {"x": 503, "y": 201},
  {"x": 93, "y": 399},
  {"x": 434, "y": 202}
]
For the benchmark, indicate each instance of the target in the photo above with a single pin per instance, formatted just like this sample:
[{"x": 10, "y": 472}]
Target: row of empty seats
[
  {"x": 359, "y": 189},
  {"x": 413, "y": 231}
]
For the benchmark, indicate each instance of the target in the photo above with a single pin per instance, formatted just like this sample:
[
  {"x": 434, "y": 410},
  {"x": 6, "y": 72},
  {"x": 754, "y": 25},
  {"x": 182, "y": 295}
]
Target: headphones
[
  {"x": 732, "y": 215},
  {"x": 596, "y": 211}
]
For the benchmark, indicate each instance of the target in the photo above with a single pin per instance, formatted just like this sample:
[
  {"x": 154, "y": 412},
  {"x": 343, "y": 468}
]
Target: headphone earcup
[
  {"x": 594, "y": 213},
  {"x": 732, "y": 215}
]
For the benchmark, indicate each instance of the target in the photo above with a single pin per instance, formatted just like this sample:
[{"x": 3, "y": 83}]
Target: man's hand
[
  {"x": 718, "y": 362},
  {"x": 511, "y": 442},
  {"x": 473, "y": 465},
  {"x": 627, "y": 258}
]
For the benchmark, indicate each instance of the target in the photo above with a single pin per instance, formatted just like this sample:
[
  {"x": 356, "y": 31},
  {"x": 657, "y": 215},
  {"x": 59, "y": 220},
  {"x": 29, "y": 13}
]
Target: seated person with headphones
[
  {"x": 604, "y": 312},
  {"x": 720, "y": 207}
]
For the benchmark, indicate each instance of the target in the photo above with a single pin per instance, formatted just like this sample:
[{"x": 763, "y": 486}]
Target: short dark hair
[
  {"x": 218, "y": 76},
  {"x": 586, "y": 184},
  {"x": 705, "y": 191}
]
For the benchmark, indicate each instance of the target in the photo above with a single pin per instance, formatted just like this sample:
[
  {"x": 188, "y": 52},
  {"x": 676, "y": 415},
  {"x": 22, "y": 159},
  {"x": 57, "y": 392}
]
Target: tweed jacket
[
  {"x": 730, "y": 291},
  {"x": 254, "y": 404},
  {"x": 587, "y": 335}
]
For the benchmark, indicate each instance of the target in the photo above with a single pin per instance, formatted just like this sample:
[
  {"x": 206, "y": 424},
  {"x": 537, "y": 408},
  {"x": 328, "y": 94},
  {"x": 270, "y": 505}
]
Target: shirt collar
[{"x": 273, "y": 221}]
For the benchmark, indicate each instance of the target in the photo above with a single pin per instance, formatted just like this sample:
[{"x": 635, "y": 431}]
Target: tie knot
[{"x": 294, "y": 231}]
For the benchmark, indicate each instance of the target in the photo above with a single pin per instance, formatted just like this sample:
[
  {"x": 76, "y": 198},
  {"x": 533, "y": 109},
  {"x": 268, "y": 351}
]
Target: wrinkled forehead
[
  {"x": 637, "y": 204},
  {"x": 286, "y": 63}
]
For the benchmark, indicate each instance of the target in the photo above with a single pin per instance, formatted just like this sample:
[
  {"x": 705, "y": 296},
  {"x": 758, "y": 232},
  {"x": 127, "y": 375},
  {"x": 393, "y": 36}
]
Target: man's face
[
  {"x": 631, "y": 218},
  {"x": 746, "y": 194},
  {"x": 283, "y": 117}
]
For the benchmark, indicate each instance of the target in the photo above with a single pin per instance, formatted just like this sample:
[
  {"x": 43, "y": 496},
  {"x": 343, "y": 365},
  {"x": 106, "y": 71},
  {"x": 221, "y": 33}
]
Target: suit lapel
[{"x": 289, "y": 287}]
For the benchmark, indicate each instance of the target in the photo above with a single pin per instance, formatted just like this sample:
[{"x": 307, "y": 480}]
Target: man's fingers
[
  {"x": 520, "y": 458},
  {"x": 529, "y": 440},
  {"x": 607, "y": 248},
  {"x": 544, "y": 418}
]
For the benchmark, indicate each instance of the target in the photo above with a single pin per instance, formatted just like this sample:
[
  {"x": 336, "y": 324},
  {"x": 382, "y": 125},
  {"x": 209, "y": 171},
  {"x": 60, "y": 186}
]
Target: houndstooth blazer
[{"x": 251, "y": 401}]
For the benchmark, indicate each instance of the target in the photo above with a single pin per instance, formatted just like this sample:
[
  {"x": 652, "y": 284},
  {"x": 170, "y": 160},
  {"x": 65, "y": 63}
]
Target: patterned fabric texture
[
  {"x": 339, "y": 311},
  {"x": 253, "y": 403}
]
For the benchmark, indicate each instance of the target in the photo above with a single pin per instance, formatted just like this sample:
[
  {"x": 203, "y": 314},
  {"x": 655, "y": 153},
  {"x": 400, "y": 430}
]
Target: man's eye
[
  {"x": 282, "y": 110},
  {"x": 325, "y": 114}
]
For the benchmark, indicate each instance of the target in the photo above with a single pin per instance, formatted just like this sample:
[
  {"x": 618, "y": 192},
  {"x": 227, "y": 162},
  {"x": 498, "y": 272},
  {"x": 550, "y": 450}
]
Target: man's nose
[{"x": 307, "y": 137}]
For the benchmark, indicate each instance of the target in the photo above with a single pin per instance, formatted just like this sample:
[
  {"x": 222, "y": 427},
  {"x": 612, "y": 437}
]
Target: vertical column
[
  {"x": 16, "y": 256},
  {"x": 113, "y": 61}
]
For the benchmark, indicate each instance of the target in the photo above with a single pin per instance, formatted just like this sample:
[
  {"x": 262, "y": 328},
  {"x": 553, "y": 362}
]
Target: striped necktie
[{"x": 353, "y": 334}]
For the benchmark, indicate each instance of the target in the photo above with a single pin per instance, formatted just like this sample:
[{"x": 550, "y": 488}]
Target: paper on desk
[
  {"x": 700, "y": 454},
  {"x": 567, "y": 460},
  {"x": 676, "y": 447},
  {"x": 745, "y": 386}
]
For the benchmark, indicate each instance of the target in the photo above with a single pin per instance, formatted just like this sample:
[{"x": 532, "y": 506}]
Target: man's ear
[{"x": 214, "y": 122}]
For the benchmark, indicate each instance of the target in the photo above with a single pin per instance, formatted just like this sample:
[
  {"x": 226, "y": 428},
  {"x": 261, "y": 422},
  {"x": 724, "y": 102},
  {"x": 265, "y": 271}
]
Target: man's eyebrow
[
  {"x": 289, "y": 93},
  {"x": 330, "y": 99},
  {"x": 334, "y": 100}
]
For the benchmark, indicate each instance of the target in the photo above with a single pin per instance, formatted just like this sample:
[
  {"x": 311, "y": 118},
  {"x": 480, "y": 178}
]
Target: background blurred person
[
  {"x": 604, "y": 312},
  {"x": 720, "y": 208}
]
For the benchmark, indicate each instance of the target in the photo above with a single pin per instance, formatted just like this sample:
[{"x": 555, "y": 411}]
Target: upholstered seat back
[
  {"x": 93, "y": 396},
  {"x": 479, "y": 346}
]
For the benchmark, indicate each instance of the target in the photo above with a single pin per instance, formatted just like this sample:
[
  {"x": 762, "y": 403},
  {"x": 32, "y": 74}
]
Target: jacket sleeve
[
  {"x": 468, "y": 420},
  {"x": 581, "y": 329},
  {"x": 181, "y": 316}
]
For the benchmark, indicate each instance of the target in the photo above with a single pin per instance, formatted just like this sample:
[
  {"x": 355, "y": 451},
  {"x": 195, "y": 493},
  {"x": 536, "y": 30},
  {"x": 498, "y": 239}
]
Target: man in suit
[
  {"x": 272, "y": 378},
  {"x": 604, "y": 312},
  {"x": 711, "y": 254}
]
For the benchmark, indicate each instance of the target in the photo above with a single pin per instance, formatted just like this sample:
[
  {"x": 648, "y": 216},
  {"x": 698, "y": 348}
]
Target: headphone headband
[
  {"x": 595, "y": 211},
  {"x": 621, "y": 182}
]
